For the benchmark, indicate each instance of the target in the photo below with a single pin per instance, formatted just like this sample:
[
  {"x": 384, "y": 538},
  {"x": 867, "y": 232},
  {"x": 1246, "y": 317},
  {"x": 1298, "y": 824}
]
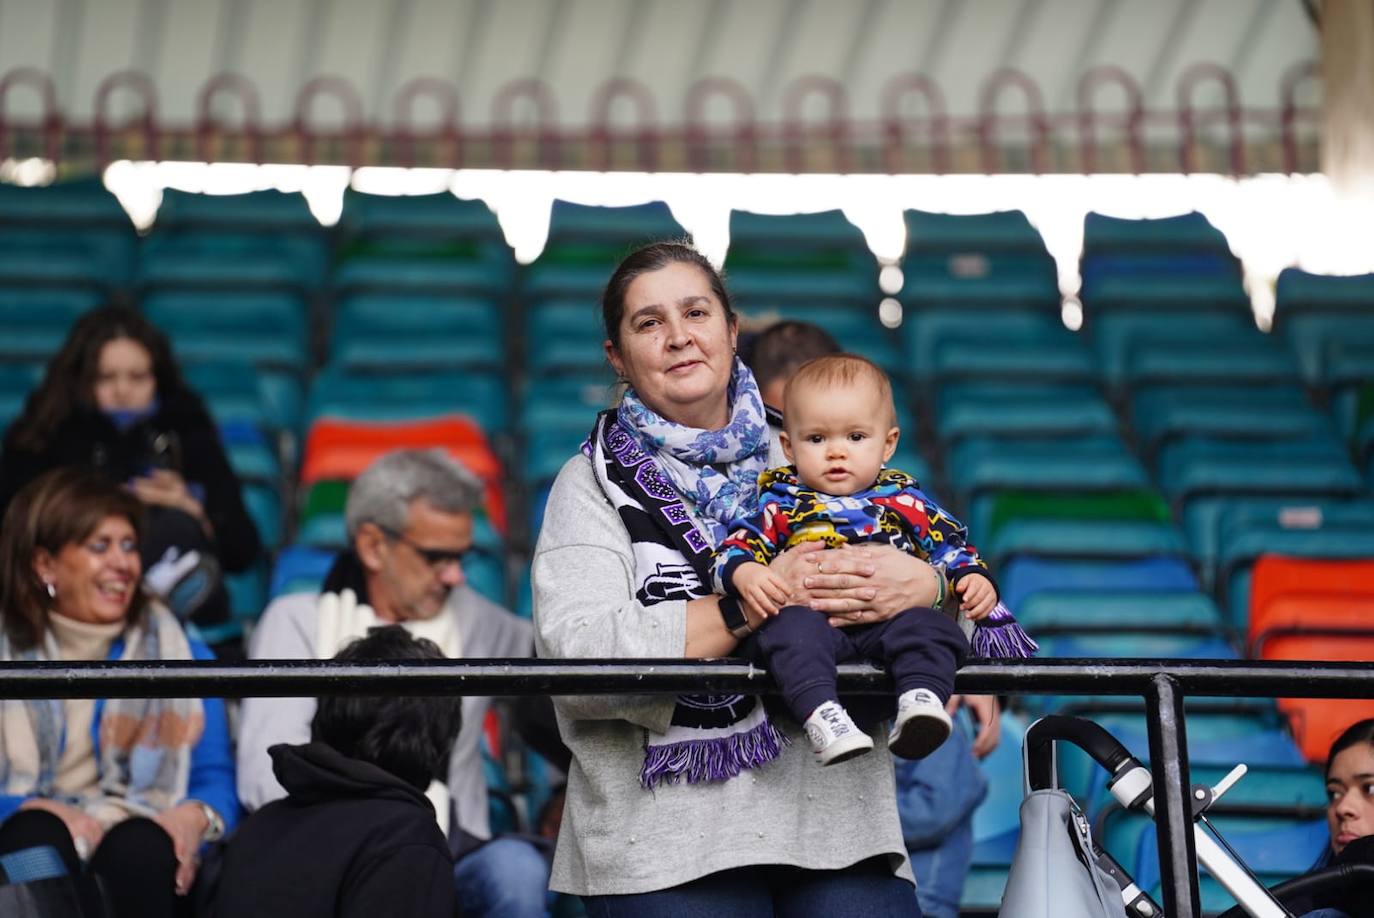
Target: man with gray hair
[{"x": 409, "y": 519}]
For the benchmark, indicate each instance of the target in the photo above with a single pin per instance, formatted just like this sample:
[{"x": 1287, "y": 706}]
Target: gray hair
[{"x": 383, "y": 493}]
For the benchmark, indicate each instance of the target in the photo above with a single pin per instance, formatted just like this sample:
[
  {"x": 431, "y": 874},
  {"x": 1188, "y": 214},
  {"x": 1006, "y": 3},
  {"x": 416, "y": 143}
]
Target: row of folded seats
[
  {"x": 1166, "y": 481},
  {"x": 1170, "y": 482}
]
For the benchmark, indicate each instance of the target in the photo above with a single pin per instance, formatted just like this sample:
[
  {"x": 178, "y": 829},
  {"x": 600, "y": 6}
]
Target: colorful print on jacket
[{"x": 893, "y": 511}]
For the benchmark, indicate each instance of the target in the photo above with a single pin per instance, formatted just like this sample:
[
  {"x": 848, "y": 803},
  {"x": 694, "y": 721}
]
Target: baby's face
[{"x": 839, "y": 437}]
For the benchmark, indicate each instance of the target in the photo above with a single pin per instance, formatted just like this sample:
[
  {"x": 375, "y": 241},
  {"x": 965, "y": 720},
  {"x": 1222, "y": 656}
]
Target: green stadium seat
[{"x": 990, "y": 512}]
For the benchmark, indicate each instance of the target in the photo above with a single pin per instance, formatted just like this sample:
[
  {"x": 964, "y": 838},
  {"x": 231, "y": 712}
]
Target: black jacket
[
  {"x": 350, "y": 839},
  {"x": 179, "y": 436}
]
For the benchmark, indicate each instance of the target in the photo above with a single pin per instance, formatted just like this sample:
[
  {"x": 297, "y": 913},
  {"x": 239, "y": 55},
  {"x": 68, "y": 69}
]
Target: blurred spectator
[
  {"x": 409, "y": 518},
  {"x": 113, "y": 399},
  {"x": 355, "y": 834},
  {"x": 1350, "y": 817},
  {"x": 936, "y": 797},
  {"x": 127, "y": 789},
  {"x": 779, "y": 351}
]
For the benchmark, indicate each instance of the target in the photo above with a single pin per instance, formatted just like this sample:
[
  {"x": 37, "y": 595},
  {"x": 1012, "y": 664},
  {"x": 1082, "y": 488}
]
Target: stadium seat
[
  {"x": 1065, "y": 359},
  {"x": 991, "y": 512},
  {"x": 1023, "y": 577},
  {"x": 1086, "y": 464},
  {"x": 438, "y": 225},
  {"x": 1318, "y": 314},
  {"x": 340, "y": 449},
  {"x": 1083, "y": 539},
  {"x": 416, "y": 333},
  {"x": 1081, "y": 613},
  {"x": 925, "y": 331},
  {"x": 1190, "y": 232},
  {"x": 1021, "y": 408},
  {"x": 1315, "y": 609},
  {"x": 1163, "y": 413},
  {"x": 1116, "y": 335},
  {"x": 386, "y": 397},
  {"x": 1200, "y": 466}
]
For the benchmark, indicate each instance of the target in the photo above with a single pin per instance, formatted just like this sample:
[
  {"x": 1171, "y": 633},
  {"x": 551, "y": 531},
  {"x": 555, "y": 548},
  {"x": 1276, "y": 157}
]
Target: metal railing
[{"x": 1164, "y": 685}]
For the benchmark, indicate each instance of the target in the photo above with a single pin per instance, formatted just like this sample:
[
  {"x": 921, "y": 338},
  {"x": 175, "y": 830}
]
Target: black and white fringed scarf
[{"x": 711, "y": 737}]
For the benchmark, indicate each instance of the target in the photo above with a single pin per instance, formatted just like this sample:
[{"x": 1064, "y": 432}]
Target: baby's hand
[
  {"x": 978, "y": 595},
  {"x": 762, "y": 590}
]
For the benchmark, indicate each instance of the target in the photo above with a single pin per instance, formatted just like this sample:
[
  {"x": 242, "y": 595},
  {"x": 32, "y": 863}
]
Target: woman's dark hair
[
  {"x": 646, "y": 260},
  {"x": 70, "y": 377},
  {"x": 59, "y": 508},
  {"x": 1356, "y": 733},
  {"x": 409, "y": 737}
]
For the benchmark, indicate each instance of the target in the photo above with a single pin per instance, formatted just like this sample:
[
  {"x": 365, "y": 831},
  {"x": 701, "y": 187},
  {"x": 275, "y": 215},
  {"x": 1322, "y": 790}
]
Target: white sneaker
[
  {"x": 922, "y": 724},
  {"x": 834, "y": 736}
]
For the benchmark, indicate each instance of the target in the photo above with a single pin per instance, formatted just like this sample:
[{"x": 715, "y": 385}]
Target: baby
[{"x": 839, "y": 429}]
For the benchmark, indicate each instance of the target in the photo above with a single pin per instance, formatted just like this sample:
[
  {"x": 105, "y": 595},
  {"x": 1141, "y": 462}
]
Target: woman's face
[
  {"x": 1350, "y": 795},
  {"x": 677, "y": 348},
  {"x": 94, "y": 580},
  {"x": 124, "y": 378}
]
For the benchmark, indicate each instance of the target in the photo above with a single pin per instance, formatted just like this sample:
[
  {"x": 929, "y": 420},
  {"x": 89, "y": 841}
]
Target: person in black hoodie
[
  {"x": 113, "y": 399},
  {"x": 355, "y": 835}
]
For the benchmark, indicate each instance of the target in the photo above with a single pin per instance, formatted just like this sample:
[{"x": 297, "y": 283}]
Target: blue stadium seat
[
  {"x": 1023, "y": 577},
  {"x": 1168, "y": 282},
  {"x": 299, "y": 568}
]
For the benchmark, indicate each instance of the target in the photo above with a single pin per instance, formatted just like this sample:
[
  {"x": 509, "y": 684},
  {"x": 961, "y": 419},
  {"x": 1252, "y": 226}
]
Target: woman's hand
[
  {"x": 986, "y": 715},
  {"x": 186, "y": 823},
  {"x": 166, "y": 488},
  {"x": 870, "y": 583},
  {"x": 86, "y": 832}
]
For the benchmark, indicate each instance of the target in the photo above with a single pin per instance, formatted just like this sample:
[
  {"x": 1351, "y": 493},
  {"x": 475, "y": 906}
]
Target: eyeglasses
[{"x": 437, "y": 558}]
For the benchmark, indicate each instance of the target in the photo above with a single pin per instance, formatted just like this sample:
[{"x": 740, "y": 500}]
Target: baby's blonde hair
[{"x": 835, "y": 370}]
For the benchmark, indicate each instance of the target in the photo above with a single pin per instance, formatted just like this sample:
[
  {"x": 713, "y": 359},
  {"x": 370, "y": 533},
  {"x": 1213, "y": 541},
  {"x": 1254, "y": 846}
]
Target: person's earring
[{"x": 52, "y": 590}]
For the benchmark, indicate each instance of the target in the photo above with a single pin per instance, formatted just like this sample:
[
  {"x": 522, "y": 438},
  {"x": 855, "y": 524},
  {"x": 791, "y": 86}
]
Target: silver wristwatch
[{"x": 214, "y": 823}]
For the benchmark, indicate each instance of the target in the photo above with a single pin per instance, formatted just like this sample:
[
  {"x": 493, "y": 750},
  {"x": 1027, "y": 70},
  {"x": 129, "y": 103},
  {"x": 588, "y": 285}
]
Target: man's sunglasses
[{"x": 437, "y": 558}]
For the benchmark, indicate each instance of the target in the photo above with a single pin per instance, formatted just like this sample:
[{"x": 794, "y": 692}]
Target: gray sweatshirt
[
  {"x": 287, "y": 631},
  {"x": 618, "y": 838}
]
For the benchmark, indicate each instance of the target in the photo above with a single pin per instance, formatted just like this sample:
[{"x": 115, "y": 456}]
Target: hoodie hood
[{"x": 316, "y": 772}]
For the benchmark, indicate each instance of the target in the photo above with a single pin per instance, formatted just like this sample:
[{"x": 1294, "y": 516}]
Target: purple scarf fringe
[
  {"x": 718, "y": 759},
  {"x": 1000, "y": 636}
]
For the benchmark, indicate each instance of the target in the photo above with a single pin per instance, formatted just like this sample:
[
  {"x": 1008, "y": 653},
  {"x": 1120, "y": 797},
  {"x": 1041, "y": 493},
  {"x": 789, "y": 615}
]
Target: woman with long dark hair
[{"x": 113, "y": 399}]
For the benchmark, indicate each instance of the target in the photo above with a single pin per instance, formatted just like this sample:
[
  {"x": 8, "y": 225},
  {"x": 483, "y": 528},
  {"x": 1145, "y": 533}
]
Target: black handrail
[{"x": 1163, "y": 684}]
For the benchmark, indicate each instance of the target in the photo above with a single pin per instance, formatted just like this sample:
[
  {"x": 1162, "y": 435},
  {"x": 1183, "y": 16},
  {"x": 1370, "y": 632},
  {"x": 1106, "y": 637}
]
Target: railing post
[{"x": 1173, "y": 808}]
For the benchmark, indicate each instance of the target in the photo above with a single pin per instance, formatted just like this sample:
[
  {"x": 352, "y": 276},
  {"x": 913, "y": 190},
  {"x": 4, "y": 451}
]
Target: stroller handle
[
  {"x": 1340, "y": 878},
  {"x": 1104, "y": 748}
]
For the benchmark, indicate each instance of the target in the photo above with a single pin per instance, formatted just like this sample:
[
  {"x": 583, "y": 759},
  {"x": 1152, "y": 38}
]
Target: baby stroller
[{"x": 1060, "y": 872}]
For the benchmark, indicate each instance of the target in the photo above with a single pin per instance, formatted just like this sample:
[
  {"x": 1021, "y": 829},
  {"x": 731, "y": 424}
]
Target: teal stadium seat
[
  {"x": 1085, "y": 464},
  {"x": 1084, "y": 539},
  {"x": 856, "y": 331},
  {"x": 1115, "y": 335},
  {"x": 1163, "y": 413},
  {"x": 1197, "y": 466},
  {"x": 800, "y": 259},
  {"x": 1063, "y": 360},
  {"x": 417, "y": 332},
  {"x": 925, "y": 332},
  {"x": 1211, "y": 522},
  {"x": 564, "y": 336},
  {"x": 1020, "y": 409},
  {"x": 976, "y": 261},
  {"x": 1318, "y": 314},
  {"x": 416, "y": 225},
  {"x": 381, "y": 397},
  {"x": 1050, "y": 612},
  {"x": 70, "y": 233}
]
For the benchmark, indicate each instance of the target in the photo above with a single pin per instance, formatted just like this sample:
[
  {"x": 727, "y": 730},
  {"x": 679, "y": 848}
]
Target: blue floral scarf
[{"x": 715, "y": 471}]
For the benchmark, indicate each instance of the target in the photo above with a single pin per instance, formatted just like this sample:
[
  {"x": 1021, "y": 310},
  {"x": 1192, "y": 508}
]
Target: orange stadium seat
[
  {"x": 1314, "y": 610},
  {"x": 339, "y": 450}
]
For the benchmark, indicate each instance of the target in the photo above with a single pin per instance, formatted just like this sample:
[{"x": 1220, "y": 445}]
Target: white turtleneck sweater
[{"x": 78, "y": 772}]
